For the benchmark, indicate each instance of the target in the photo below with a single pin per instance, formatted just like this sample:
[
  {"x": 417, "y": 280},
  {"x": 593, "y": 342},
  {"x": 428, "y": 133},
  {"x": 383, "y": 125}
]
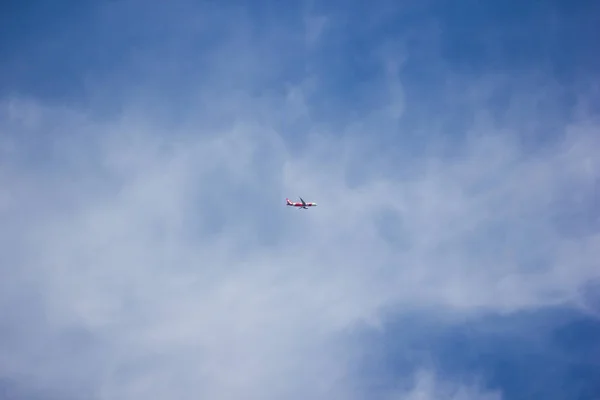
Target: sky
[{"x": 146, "y": 151}]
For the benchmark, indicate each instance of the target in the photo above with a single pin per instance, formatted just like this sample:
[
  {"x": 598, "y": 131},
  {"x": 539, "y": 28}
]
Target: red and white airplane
[{"x": 304, "y": 204}]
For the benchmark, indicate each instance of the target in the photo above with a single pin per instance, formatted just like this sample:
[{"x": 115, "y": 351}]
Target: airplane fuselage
[{"x": 304, "y": 205}]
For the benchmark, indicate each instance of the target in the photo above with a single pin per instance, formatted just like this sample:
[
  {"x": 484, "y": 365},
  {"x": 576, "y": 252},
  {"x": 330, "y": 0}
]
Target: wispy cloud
[{"x": 149, "y": 254}]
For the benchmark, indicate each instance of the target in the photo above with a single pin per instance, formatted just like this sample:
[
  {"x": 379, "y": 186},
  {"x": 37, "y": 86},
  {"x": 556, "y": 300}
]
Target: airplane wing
[{"x": 303, "y": 202}]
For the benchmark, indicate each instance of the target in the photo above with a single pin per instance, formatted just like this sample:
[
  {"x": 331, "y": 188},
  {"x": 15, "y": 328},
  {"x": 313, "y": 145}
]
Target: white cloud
[
  {"x": 166, "y": 251},
  {"x": 184, "y": 255},
  {"x": 427, "y": 386}
]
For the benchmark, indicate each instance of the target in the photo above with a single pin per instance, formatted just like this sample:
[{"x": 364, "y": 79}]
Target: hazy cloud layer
[{"x": 148, "y": 253}]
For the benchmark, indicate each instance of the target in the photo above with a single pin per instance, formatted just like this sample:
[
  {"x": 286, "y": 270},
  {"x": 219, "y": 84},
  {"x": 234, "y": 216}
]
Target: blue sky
[{"x": 146, "y": 152}]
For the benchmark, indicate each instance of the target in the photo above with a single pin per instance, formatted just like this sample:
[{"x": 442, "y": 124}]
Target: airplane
[{"x": 304, "y": 204}]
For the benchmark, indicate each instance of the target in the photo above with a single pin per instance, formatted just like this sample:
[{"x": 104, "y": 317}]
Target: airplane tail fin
[{"x": 288, "y": 202}]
